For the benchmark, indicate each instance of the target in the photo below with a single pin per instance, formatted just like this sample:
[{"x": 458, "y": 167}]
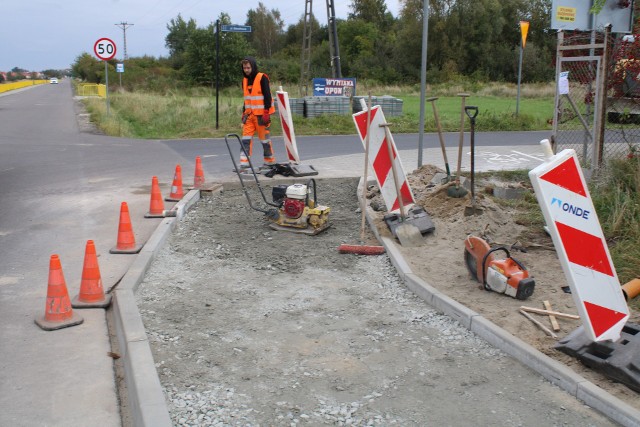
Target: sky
[{"x": 39, "y": 35}]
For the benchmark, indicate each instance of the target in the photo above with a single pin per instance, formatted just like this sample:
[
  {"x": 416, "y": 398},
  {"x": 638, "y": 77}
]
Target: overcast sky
[{"x": 37, "y": 35}]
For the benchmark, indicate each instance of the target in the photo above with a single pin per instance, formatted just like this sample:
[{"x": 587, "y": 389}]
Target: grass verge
[{"x": 192, "y": 114}]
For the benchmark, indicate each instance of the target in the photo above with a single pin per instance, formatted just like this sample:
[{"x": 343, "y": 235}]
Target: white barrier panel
[
  {"x": 286, "y": 120},
  {"x": 380, "y": 161},
  {"x": 582, "y": 249}
]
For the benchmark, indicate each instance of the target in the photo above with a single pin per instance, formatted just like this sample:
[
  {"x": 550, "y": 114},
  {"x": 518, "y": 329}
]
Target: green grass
[{"x": 192, "y": 114}]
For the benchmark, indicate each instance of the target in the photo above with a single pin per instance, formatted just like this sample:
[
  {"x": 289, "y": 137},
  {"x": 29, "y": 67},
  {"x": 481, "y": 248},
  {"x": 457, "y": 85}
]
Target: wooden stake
[
  {"x": 552, "y": 318},
  {"x": 366, "y": 170},
  {"x": 538, "y": 324},
  {"x": 548, "y": 312}
]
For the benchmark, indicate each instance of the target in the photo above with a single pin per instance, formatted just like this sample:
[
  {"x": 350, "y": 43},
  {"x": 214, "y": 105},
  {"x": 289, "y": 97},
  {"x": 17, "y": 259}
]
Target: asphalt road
[{"x": 59, "y": 187}]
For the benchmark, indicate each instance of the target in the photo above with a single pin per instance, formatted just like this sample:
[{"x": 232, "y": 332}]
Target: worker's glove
[
  {"x": 266, "y": 119},
  {"x": 244, "y": 118}
]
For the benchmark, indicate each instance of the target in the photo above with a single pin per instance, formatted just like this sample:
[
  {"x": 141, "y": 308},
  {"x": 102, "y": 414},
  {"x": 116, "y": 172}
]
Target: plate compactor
[
  {"x": 294, "y": 207},
  {"x": 504, "y": 276}
]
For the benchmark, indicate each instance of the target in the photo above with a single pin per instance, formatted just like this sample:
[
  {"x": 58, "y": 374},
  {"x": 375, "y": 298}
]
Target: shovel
[
  {"x": 440, "y": 137},
  {"x": 457, "y": 191},
  {"x": 472, "y": 113}
]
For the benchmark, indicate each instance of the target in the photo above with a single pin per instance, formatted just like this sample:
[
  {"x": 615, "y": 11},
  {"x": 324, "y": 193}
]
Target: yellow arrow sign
[{"x": 524, "y": 29}]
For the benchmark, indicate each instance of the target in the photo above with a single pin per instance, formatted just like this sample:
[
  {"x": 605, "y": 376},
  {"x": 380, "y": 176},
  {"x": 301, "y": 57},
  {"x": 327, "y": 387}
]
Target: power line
[{"x": 124, "y": 26}]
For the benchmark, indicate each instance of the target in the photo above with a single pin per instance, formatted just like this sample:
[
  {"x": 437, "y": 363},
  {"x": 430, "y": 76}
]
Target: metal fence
[
  {"x": 6, "y": 87},
  {"x": 597, "y": 101},
  {"x": 92, "y": 89}
]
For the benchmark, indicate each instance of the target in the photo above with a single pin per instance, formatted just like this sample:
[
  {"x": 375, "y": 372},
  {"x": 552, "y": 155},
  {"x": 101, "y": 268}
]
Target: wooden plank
[
  {"x": 552, "y": 318},
  {"x": 547, "y": 312},
  {"x": 538, "y": 324}
]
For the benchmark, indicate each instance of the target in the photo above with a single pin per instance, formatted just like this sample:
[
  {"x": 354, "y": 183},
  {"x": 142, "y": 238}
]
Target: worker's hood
[{"x": 254, "y": 66}]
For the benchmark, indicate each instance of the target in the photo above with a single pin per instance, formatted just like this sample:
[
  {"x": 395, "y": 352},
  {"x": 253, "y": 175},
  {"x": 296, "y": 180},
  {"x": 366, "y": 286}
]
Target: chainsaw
[
  {"x": 504, "y": 276},
  {"x": 294, "y": 207}
]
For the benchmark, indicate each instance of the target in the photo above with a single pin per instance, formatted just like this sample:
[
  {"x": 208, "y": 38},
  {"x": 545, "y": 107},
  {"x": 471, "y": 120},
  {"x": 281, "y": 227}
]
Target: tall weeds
[{"x": 616, "y": 197}]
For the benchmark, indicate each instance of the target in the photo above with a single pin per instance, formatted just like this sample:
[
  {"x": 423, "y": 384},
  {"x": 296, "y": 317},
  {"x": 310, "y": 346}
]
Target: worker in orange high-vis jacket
[{"x": 256, "y": 116}]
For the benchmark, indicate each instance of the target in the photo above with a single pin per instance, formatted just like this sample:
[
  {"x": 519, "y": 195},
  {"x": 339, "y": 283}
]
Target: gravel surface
[{"x": 250, "y": 326}]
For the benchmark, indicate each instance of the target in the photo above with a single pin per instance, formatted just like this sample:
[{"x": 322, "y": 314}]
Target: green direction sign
[{"x": 237, "y": 28}]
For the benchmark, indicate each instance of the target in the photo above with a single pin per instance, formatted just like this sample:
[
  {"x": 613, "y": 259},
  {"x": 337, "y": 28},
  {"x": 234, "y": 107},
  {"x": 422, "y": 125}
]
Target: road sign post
[
  {"x": 105, "y": 49},
  {"x": 120, "y": 70},
  {"x": 524, "y": 29}
]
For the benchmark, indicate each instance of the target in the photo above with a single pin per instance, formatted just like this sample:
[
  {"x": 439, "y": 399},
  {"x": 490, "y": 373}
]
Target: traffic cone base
[
  {"x": 104, "y": 303},
  {"x": 46, "y": 325},
  {"x": 151, "y": 215},
  {"x": 134, "y": 250}
]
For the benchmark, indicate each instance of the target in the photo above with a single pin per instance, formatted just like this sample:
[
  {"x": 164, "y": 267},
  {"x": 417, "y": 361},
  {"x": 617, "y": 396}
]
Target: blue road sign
[{"x": 237, "y": 28}]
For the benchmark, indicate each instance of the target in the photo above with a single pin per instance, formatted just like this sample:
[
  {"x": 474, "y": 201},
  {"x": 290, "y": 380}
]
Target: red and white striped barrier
[
  {"x": 582, "y": 250},
  {"x": 284, "y": 111},
  {"x": 380, "y": 160}
]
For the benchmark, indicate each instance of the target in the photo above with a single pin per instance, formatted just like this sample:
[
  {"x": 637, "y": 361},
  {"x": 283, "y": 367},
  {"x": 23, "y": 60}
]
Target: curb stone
[{"x": 146, "y": 401}]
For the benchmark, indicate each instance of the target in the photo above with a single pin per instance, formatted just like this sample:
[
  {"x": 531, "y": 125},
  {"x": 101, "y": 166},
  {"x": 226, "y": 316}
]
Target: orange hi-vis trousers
[{"x": 250, "y": 127}]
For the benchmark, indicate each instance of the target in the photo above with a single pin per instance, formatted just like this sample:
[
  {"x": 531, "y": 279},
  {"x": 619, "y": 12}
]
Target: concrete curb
[
  {"x": 146, "y": 400},
  {"x": 550, "y": 369}
]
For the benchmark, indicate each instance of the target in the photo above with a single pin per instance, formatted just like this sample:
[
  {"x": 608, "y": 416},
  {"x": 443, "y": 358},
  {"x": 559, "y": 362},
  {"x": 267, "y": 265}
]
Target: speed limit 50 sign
[{"x": 105, "y": 49}]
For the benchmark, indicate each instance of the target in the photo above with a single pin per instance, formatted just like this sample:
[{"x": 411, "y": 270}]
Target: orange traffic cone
[
  {"x": 156, "y": 207},
  {"x": 126, "y": 240},
  {"x": 58, "y": 313},
  {"x": 91, "y": 292},
  {"x": 198, "y": 178},
  {"x": 177, "y": 193}
]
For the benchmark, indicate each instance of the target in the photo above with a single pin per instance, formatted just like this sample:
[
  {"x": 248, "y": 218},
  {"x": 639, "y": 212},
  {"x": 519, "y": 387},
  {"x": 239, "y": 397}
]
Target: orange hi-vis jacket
[{"x": 254, "y": 99}]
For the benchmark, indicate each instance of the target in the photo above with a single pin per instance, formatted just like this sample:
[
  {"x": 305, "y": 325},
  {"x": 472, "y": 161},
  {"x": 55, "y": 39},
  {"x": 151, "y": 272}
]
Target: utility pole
[
  {"x": 124, "y": 26},
  {"x": 333, "y": 40},
  {"x": 305, "y": 62}
]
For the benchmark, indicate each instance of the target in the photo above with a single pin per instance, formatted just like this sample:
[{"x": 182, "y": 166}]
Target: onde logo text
[{"x": 571, "y": 209}]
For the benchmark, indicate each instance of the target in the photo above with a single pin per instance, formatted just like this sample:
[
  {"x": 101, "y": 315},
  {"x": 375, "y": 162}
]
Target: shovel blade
[
  {"x": 472, "y": 210},
  {"x": 409, "y": 235}
]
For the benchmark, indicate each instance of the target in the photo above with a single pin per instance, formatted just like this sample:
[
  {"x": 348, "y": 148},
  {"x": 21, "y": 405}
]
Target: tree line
[{"x": 468, "y": 39}]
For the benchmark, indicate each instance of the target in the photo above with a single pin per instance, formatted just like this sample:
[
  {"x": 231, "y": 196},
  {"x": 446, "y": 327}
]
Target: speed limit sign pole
[{"x": 105, "y": 49}]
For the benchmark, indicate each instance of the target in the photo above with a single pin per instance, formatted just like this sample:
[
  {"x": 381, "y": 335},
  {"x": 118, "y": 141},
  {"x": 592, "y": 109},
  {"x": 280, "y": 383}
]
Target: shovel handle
[{"x": 469, "y": 110}]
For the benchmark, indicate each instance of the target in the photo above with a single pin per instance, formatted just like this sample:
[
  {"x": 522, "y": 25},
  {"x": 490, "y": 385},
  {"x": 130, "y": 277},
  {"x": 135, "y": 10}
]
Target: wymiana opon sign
[
  {"x": 334, "y": 87},
  {"x": 565, "y": 201}
]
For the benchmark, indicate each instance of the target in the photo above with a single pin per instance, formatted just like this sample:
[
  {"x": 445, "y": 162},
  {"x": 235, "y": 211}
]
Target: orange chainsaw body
[{"x": 505, "y": 276}]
